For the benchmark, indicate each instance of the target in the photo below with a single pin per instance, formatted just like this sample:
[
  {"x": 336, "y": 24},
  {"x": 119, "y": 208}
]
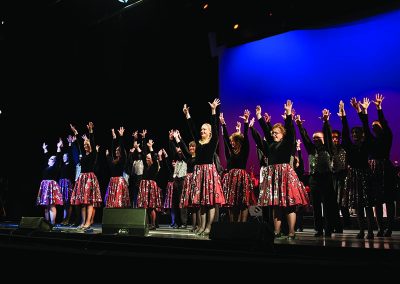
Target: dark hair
[{"x": 337, "y": 132}]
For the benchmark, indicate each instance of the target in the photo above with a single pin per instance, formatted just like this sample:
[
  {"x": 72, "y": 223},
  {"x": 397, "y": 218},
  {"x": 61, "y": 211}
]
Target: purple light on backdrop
[{"x": 315, "y": 69}]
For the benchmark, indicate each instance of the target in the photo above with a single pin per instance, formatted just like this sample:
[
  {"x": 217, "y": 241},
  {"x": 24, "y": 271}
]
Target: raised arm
[
  {"x": 190, "y": 123},
  {"x": 346, "y": 141},
  {"x": 227, "y": 144},
  {"x": 308, "y": 144}
]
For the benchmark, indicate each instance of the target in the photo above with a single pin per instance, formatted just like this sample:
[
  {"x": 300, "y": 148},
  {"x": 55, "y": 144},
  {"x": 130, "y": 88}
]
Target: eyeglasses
[{"x": 275, "y": 133}]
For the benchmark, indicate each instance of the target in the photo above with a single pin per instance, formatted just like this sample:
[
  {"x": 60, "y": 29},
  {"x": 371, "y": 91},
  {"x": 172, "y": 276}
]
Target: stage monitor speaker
[
  {"x": 247, "y": 234},
  {"x": 35, "y": 223},
  {"x": 125, "y": 221}
]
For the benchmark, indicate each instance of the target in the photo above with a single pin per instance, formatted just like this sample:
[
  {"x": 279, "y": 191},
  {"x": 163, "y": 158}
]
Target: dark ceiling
[{"x": 257, "y": 18}]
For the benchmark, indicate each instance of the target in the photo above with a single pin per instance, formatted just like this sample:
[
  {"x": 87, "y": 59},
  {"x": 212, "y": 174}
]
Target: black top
[
  {"x": 150, "y": 172},
  {"x": 381, "y": 144},
  {"x": 117, "y": 165},
  {"x": 320, "y": 155},
  {"x": 51, "y": 173},
  {"x": 88, "y": 161},
  {"x": 262, "y": 158},
  {"x": 239, "y": 160},
  {"x": 280, "y": 152},
  {"x": 357, "y": 154},
  {"x": 205, "y": 152},
  {"x": 190, "y": 161},
  {"x": 67, "y": 171}
]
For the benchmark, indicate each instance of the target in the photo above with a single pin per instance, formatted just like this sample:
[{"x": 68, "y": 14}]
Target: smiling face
[
  {"x": 278, "y": 132},
  {"x": 87, "y": 146},
  {"x": 205, "y": 132}
]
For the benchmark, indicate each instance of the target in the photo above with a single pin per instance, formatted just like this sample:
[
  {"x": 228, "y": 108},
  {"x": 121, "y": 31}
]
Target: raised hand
[
  {"x": 150, "y": 143},
  {"x": 114, "y": 136},
  {"x": 121, "y": 131},
  {"x": 90, "y": 126},
  {"x": 214, "y": 104},
  {"x": 176, "y": 135},
  {"x": 378, "y": 101},
  {"x": 355, "y": 104},
  {"x": 44, "y": 146},
  {"x": 258, "y": 111},
  {"x": 143, "y": 133},
  {"x": 365, "y": 104},
  {"x": 298, "y": 143},
  {"x": 108, "y": 153},
  {"x": 60, "y": 143},
  {"x": 97, "y": 148},
  {"x": 325, "y": 114},
  {"x": 165, "y": 153},
  {"x": 288, "y": 107},
  {"x": 267, "y": 117},
  {"x": 135, "y": 135},
  {"x": 221, "y": 118},
  {"x": 245, "y": 115},
  {"x": 238, "y": 127},
  {"x": 341, "y": 112},
  {"x": 251, "y": 122},
  {"x": 298, "y": 120},
  {"x": 186, "y": 110},
  {"x": 84, "y": 137},
  {"x": 73, "y": 129}
]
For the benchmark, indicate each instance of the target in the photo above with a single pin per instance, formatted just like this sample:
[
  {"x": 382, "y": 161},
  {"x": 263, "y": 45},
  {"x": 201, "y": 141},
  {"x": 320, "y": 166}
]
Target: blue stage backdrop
[{"x": 316, "y": 69}]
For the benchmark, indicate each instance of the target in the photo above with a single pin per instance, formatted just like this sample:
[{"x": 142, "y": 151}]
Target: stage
[{"x": 166, "y": 247}]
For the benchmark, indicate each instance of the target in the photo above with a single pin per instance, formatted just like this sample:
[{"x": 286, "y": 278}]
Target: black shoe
[
  {"x": 183, "y": 226},
  {"x": 172, "y": 225},
  {"x": 360, "y": 235},
  {"x": 300, "y": 230},
  {"x": 380, "y": 234},
  {"x": 318, "y": 234},
  {"x": 370, "y": 235},
  {"x": 388, "y": 233},
  {"x": 175, "y": 226}
]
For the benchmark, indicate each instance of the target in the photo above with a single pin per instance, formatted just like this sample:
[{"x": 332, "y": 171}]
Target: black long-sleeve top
[
  {"x": 239, "y": 160},
  {"x": 320, "y": 156},
  {"x": 280, "y": 152},
  {"x": 149, "y": 172},
  {"x": 380, "y": 145},
  {"x": 117, "y": 165},
  {"x": 300, "y": 169},
  {"x": 67, "y": 171},
  {"x": 339, "y": 159},
  {"x": 88, "y": 161},
  {"x": 205, "y": 152},
  {"x": 51, "y": 172},
  {"x": 262, "y": 156},
  {"x": 190, "y": 161},
  {"x": 357, "y": 154},
  {"x": 266, "y": 128}
]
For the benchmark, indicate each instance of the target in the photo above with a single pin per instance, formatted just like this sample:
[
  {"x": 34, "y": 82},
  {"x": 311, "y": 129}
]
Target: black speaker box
[
  {"x": 248, "y": 234},
  {"x": 35, "y": 224},
  {"x": 125, "y": 221}
]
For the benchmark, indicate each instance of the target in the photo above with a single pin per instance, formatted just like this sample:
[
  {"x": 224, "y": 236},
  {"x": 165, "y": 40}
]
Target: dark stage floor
[{"x": 167, "y": 248}]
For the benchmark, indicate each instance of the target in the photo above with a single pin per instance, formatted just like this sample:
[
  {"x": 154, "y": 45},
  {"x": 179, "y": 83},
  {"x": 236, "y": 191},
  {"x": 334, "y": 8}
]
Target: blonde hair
[
  {"x": 281, "y": 128},
  {"x": 205, "y": 141}
]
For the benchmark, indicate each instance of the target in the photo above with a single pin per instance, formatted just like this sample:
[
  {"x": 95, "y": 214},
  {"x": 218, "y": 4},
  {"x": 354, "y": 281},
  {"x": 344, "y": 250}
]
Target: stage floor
[{"x": 305, "y": 238}]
